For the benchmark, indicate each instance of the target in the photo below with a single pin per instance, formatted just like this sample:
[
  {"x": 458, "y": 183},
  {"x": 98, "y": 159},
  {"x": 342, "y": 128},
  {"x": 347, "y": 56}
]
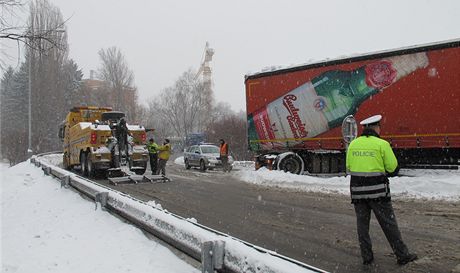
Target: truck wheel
[
  {"x": 202, "y": 166},
  {"x": 83, "y": 164},
  {"x": 187, "y": 165},
  {"x": 291, "y": 163}
]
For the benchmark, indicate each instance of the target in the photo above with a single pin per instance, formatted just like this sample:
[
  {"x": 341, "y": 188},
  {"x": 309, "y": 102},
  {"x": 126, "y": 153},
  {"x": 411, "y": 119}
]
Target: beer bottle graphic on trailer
[{"x": 322, "y": 103}]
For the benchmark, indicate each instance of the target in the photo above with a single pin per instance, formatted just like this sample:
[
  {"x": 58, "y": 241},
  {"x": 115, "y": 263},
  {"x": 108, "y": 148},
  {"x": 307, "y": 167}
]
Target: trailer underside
[{"x": 333, "y": 161}]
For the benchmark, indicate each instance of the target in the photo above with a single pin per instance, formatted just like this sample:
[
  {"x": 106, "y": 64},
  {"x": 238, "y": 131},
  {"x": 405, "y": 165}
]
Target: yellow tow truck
[{"x": 99, "y": 141}]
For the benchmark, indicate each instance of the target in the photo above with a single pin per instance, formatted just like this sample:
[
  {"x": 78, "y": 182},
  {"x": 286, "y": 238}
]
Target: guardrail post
[
  {"x": 37, "y": 163},
  {"x": 65, "y": 181},
  {"x": 218, "y": 251},
  {"x": 101, "y": 197},
  {"x": 46, "y": 170},
  {"x": 212, "y": 256}
]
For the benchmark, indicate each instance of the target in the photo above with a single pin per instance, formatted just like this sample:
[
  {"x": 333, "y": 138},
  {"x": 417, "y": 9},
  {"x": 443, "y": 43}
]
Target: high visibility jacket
[
  {"x": 368, "y": 160},
  {"x": 164, "y": 151},
  {"x": 152, "y": 147},
  {"x": 223, "y": 149}
]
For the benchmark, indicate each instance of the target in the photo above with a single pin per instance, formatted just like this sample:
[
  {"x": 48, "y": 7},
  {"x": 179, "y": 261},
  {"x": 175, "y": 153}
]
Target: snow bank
[
  {"x": 424, "y": 184},
  {"x": 179, "y": 161},
  {"x": 420, "y": 184},
  {"x": 52, "y": 229},
  {"x": 281, "y": 179},
  {"x": 54, "y": 159}
]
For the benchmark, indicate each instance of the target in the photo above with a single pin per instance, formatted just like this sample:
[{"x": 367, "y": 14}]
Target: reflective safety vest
[
  {"x": 368, "y": 160},
  {"x": 164, "y": 151},
  {"x": 152, "y": 147},
  {"x": 224, "y": 149}
]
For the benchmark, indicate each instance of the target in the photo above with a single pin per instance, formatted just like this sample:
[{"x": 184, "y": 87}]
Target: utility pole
[{"x": 29, "y": 149}]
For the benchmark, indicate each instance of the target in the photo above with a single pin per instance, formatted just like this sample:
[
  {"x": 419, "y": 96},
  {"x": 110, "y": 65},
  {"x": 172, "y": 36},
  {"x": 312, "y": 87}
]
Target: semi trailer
[{"x": 300, "y": 118}]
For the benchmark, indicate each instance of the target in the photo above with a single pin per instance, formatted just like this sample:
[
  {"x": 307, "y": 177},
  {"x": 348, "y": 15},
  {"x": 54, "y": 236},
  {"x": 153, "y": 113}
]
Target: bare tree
[
  {"x": 120, "y": 78},
  {"x": 47, "y": 79},
  {"x": 26, "y": 35},
  {"x": 92, "y": 96},
  {"x": 231, "y": 127},
  {"x": 184, "y": 107},
  {"x": 152, "y": 120},
  {"x": 71, "y": 82},
  {"x": 187, "y": 107},
  {"x": 220, "y": 111}
]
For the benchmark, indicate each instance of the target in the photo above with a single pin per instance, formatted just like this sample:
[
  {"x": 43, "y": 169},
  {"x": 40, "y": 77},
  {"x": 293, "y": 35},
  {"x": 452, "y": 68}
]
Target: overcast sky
[{"x": 162, "y": 39}]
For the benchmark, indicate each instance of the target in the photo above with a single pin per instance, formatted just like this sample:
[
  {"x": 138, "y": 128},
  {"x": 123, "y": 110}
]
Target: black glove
[{"x": 395, "y": 173}]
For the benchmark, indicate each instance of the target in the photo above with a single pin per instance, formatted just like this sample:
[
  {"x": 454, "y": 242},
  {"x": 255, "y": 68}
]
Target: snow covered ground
[
  {"x": 46, "y": 228},
  {"x": 426, "y": 184},
  {"x": 421, "y": 184}
]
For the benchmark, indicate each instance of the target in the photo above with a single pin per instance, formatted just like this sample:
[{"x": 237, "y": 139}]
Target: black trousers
[
  {"x": 153, "y": 162},
  {"x": 224, "y": 160},
  {"x": 384, "y": 213}
]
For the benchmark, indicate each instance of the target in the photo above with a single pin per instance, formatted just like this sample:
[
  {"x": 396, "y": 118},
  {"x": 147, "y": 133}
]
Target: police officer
[{"x": 370, "y": 160}]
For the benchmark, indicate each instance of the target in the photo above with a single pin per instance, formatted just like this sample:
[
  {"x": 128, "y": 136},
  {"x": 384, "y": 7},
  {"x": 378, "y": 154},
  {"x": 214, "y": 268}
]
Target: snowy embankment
[
  {"x": 420, "y": 184},
  {"x": 179, "y": 161},
  {"x": 49, "y": 228}
]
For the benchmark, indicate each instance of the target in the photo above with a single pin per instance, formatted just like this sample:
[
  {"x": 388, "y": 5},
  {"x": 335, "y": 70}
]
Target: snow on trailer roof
[{"x": 275, "y": 70}]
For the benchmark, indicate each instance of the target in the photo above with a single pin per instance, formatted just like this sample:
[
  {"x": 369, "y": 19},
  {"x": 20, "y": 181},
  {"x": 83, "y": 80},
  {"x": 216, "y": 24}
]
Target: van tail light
[
  {"x": 93, "y": 138},
  {"x": 143, "y": 137}
]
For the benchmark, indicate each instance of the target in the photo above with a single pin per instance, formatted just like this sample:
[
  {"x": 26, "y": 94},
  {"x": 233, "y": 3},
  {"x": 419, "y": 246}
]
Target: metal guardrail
[{"x": 216, "y": 251}]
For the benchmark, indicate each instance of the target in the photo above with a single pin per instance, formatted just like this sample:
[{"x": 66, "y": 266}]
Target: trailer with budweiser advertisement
[{"x": 300, "y": 119}]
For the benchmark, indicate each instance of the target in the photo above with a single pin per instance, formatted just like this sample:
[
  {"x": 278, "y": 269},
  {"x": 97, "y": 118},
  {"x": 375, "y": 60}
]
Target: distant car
[{"x": 204, "y": 156}]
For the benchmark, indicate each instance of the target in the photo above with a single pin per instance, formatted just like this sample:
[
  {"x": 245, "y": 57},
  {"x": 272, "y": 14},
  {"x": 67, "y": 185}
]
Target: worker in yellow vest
[{"x": 369, "y": 161}]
